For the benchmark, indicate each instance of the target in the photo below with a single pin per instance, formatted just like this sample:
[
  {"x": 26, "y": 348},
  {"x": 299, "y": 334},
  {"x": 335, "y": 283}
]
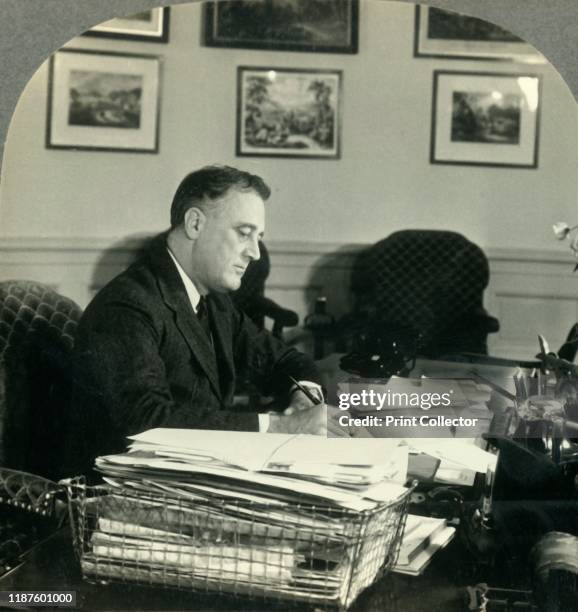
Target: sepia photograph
[
  {"x": 284, "y": 329},
  {"x": 485, "y": 118},
  {"x": 329, "y": 26},
  {"x": 103, "y": 101},
  {"x": 288, "y": 112}
]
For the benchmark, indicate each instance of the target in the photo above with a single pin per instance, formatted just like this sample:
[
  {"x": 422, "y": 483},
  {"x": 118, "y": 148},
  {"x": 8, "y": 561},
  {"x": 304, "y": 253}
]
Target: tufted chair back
[
  {"x": 252, "y": 288},
  {"x": 37, "y": 327},
  {"x": 250, "y": 297},
  {"x": 431, "y": 282}
]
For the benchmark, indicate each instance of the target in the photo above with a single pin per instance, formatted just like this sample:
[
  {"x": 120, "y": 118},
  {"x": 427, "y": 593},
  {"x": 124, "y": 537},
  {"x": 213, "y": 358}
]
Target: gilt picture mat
[
  {"x": 66, "y": 64},
  {"x": 525, "y": 87}
]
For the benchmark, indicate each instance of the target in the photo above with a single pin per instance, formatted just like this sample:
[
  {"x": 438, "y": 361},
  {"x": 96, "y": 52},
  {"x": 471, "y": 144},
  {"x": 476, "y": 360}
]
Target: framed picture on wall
[
  {"x": 329, "y": 26},
  {"x": 288, "y": 112},
  {"x": 441, "y": 33},
  {"x": 150, "y": 26},
  {"x": 103, "y": 101},
  {"x": 482, "y": 118}
]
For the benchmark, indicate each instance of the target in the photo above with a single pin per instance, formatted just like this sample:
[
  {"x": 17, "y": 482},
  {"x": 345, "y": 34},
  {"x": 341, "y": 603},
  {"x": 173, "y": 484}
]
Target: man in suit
[{"x": 162, "y": 345}]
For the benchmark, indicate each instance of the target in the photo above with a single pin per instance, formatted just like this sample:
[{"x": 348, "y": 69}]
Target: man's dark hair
[{"x": 211, "y": 183}]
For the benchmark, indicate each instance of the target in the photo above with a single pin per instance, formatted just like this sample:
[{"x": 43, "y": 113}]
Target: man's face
[{"x": 228, "y": 241}]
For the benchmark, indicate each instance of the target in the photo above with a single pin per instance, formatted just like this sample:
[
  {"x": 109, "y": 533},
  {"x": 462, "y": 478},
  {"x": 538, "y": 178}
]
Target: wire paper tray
[{"x": 316, "y": 554}]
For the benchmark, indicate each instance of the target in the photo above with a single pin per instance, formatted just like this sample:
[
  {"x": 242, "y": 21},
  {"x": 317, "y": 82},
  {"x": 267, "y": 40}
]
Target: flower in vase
[{"x": 561, "y": 230}]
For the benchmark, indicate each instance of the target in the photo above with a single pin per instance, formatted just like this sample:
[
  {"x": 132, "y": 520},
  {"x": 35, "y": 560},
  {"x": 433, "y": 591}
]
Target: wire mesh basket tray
[{"x": 321, "y": 555}]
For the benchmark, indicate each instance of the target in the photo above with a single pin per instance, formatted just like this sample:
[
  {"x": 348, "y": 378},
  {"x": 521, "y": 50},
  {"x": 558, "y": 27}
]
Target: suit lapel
[{"x": 175, "y": 297}]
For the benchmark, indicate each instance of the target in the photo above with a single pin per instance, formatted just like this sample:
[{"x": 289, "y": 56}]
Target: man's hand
[
  {"x": 299, "y": 401},
  {"x": 310, "y": 420},
  {"x": 304, "y": 416},
  {"x": 320, "y": 420},
  {"x": 337, "y": 430}
]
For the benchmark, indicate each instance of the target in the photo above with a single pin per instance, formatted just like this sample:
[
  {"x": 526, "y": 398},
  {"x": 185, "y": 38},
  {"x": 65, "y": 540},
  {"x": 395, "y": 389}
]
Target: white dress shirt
[{"x": 192, "y": 292}]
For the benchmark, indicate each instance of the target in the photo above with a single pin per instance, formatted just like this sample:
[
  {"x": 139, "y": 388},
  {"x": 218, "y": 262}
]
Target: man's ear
[{"x": 195, "y": 220}]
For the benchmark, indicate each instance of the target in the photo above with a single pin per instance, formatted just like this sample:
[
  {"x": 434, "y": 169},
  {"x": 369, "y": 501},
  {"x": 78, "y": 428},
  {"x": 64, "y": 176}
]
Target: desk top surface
[{"x": 52, "y": 565}]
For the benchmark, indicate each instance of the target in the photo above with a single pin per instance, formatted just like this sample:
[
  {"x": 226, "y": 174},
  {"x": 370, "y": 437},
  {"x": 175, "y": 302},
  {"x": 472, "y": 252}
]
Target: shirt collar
[{"x": 192, "y": 292}]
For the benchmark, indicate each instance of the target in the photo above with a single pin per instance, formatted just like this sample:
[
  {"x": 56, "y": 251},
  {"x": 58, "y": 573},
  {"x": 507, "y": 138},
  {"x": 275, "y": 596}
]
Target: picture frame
[
  {"x": 289, "y": 112},
  {"x": 103, "y": 101},
  {"x": 447, "y": 34},
  {"x": 149, "y": 25},
  {"x": 485, "y": 119},
  {"x": 319, "y": 26}
]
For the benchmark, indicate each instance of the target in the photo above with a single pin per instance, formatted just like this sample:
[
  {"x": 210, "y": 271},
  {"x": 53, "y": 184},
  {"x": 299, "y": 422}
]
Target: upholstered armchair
[
  {"x": 37, "y": 327},
  {"x": 426, "y": 287}
]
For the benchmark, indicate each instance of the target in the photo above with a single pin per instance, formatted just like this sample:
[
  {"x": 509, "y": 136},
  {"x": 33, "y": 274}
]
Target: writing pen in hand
[
  {"x": 339, "y": 432},
  {"x": 315, "y": 400}
]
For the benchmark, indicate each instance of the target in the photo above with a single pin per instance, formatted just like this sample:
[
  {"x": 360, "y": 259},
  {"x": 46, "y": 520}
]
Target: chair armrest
[
  {"x": 28, "y": 492},
  {"x": 281, "y": 316}
]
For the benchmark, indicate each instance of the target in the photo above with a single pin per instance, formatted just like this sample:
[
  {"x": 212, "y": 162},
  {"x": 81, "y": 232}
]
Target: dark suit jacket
[{"x": 142, "y": 360}]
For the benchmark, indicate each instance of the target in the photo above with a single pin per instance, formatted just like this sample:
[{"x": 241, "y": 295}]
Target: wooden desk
[{"x": 53, "y": 566}]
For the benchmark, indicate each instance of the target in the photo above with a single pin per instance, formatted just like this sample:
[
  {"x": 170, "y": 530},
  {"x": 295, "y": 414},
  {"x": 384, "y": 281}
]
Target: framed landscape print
[
  {"x": 329, "y": 26},
  {"x": 103, "y": 101},
  {"x": 441, "y": 33},
  {"x": 151, "y": 26},
  {"x": 286, "y": 112},
  {"x": 489, "y": 119}
]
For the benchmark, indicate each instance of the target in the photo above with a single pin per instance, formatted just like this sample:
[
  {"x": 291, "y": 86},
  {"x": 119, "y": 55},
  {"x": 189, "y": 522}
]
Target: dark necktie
[
  {"x": 203, "y": 316},
  {"x": 205, "y": 321}
]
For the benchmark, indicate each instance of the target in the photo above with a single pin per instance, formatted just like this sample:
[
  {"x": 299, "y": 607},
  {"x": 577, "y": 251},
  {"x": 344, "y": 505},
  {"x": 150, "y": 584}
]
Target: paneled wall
[{"x": 530, "y": 292}]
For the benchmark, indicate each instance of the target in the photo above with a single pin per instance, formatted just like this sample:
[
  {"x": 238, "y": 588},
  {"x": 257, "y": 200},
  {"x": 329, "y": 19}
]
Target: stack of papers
[
  {"x": 356, "y": 474},
  {"x": 346, "y": 462},
  {"x": 244, "y": 511},
  {"x": 422, "y": 538},
  {"x": 459, "y": 460}
]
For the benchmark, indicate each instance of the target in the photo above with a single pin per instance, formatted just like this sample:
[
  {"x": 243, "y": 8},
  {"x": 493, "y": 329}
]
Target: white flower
[{"x": 561, "y": 230}]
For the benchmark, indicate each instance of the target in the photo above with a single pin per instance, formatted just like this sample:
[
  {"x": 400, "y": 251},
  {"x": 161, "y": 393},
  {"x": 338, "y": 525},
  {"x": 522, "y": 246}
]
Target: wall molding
[
  {"x": 292, "y": 247},
  {"x": 530, "y": 291}
]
